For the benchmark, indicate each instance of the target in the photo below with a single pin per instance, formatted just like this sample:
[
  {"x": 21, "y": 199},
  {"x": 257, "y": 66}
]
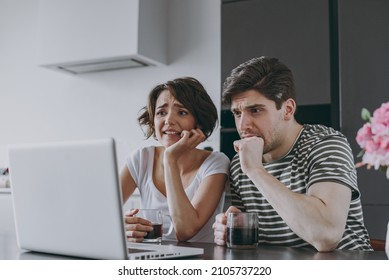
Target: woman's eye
[
  {"x": 183, "y": 113},
  {"x": 161, "y": 113}
]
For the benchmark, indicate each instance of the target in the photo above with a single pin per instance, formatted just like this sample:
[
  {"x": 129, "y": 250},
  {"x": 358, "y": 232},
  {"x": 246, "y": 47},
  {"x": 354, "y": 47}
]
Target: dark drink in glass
[
  {"x": 242, "y": 230},
  {"x": 155, "y": 234},
  {"x": 242, "y": 237}
]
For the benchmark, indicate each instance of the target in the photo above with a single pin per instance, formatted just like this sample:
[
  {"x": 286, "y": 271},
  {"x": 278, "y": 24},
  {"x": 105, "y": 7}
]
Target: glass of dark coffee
[
  {"x": 155, "y": 216},
  {"x": 242, "y": 230}
]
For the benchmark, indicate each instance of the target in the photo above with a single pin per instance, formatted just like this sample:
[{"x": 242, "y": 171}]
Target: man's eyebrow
[{"x": 248, "y": 107}]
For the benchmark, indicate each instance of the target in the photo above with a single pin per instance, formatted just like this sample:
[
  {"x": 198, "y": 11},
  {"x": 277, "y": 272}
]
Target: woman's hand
[
  {"x": 189, "y": 140},
  {"x": 136, "y": 227}
]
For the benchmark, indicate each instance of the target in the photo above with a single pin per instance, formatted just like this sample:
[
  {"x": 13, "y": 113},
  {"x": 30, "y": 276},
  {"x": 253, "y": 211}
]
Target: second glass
[{"x": 242, "y": 230}]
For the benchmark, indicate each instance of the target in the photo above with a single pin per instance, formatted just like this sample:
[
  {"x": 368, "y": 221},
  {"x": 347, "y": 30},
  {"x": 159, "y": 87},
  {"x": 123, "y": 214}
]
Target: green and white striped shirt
[{"x": 320, "y": 154}]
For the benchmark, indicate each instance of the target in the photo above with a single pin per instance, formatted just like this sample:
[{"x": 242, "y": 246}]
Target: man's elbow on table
[{"x": 328, "y": 242}]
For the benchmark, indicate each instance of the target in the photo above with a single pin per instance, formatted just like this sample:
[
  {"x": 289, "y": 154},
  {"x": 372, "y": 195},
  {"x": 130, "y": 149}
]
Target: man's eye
[
  {"x": 255, "y": 110},
  {"x": 236, "y": 114}
]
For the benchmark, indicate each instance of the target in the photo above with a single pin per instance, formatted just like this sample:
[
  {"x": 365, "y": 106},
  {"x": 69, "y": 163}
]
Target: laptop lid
[{"x": 67, "y": 200}]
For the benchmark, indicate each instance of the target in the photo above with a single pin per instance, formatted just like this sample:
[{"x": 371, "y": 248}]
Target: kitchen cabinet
[
  {"x": 296, "y": 32},
  {"x": 7, "y": 224},
  {"x": 364, "y": 72}
]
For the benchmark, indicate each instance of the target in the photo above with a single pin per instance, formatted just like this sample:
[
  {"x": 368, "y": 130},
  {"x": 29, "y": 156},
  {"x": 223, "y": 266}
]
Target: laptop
[{"x": 67, "y": 201}]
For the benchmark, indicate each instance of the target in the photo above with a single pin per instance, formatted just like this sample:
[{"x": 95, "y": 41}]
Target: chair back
[{"x": 377, "y": 244}]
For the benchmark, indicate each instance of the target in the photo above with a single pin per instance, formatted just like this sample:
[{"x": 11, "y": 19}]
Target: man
[{"x": 300, "y": 179}]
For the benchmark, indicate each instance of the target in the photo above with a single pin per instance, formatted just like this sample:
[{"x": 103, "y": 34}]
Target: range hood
[{"x": 81, "y": 36}]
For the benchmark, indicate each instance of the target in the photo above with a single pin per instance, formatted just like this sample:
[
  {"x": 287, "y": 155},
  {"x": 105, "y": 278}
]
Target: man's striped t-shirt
[{"x": 320, "y": 154}]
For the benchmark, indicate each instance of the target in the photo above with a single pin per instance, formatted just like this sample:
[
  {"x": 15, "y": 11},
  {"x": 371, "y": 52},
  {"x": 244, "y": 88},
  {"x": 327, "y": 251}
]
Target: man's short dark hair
[{"x": 268, "y": 76}]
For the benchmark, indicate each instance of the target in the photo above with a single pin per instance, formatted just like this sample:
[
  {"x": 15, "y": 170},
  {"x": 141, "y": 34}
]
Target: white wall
[{"x": 37, "y": 104}]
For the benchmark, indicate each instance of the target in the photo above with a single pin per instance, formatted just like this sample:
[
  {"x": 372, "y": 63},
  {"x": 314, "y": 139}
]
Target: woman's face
[{"x": 170, "y": 119}]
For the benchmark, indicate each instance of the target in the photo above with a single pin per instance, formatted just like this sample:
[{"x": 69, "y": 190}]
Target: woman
[{"x": 186, "y": 182}]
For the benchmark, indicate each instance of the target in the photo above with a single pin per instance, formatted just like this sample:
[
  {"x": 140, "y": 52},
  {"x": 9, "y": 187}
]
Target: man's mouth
[{"x": 244, "y": 135}]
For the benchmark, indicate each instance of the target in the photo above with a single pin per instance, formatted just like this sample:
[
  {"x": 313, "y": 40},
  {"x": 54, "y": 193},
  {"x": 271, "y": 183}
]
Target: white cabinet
[{"x": 7, "y": 224}]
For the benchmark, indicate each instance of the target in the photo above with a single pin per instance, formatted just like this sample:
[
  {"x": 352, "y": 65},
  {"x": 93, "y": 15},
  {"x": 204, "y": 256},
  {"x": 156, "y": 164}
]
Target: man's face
[{"x": 257, "y": 116}]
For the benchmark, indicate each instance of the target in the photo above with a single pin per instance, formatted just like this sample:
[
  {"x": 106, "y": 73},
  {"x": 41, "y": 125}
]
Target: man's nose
[{"x": 244, "y": 122}]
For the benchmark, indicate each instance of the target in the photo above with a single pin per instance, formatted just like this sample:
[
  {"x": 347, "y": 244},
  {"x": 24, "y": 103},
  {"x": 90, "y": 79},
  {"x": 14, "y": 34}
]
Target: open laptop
[{"x": 67, "y": 201}]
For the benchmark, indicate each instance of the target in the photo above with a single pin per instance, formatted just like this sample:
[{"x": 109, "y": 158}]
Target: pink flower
[
  {"x": 373, "y": 138},
  {"x": 364, "y": 135},
  {"x": 381, "y": 115}
]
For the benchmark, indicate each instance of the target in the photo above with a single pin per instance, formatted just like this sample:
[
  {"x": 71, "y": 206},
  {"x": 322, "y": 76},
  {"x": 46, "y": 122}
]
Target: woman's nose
[{"x": 169, "y": 119}]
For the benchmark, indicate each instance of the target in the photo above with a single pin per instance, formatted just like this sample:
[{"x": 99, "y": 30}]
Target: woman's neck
[{"x": 186, "y": 162}]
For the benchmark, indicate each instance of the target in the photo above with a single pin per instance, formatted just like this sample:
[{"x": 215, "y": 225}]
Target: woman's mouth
[{"x": 172, "y": 132}]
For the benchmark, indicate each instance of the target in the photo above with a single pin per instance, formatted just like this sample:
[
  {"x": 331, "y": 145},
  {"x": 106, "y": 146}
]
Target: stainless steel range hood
[
  {"x": 81, "y": 36},
  {"x": 99, "y": 65}
]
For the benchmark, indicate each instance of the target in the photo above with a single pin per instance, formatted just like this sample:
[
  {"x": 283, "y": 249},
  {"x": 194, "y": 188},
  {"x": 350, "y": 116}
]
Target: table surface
[
  {"x": 269, "y": 252},
  {"x": 10, "y": 251}
]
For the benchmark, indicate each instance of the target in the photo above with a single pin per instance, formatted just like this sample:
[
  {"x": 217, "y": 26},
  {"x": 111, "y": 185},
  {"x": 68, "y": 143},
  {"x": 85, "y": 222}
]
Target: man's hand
[
  {"x": 220, "y": 228},
  {"x": 250, "y": 152}
]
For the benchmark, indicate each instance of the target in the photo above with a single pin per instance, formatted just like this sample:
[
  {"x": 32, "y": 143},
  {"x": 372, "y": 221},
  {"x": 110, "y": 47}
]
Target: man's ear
[{"x": 289, "y": 108}]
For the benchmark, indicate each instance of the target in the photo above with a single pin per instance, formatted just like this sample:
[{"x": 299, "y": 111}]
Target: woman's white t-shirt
[{"x": 140, "y": 164}]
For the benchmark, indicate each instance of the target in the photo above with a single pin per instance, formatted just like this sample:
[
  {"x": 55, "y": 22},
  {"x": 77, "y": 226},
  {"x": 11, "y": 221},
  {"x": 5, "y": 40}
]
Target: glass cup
[
  {"x": 242, "y": 230},
  {"x": 156, "y": 217}
]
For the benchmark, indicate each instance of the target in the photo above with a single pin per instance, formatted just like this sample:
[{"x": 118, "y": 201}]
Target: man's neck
[{"x": 290, "y": 139}]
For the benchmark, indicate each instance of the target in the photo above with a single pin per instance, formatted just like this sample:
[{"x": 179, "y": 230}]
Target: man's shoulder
[
  {"x": 313, "y": 133},
  {"x": 320, "y": 130},
  {"x": 321, "y": 136}
]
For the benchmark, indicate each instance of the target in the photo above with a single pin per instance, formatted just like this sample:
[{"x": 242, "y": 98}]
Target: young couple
[{"x": 299, "y": 179}]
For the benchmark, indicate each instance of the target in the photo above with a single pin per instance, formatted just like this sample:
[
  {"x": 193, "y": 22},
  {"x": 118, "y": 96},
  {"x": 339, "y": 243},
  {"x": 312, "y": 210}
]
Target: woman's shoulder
[
  {"x": 219, "y": 156},
  {"x": 142, "y": 152},
  {"x": 216, "y": 160}
]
